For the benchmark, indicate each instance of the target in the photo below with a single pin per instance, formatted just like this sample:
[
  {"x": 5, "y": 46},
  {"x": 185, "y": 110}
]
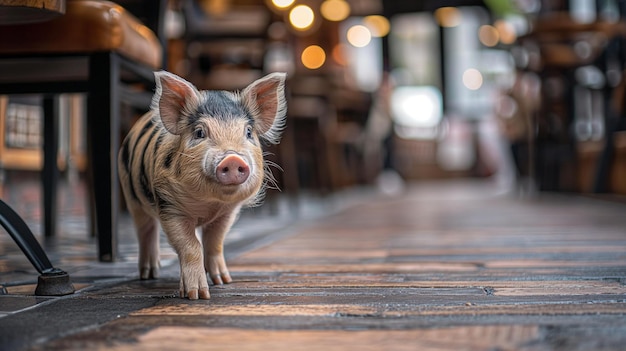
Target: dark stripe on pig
[
  {"x": 146, "y": 188},
  {"x": 179, "y": 168},
  {"x": 126, "y": 161},
  {"x": 143, "y": 179},
  {"x": 136, "y": 141},
  {"x": 167, "y": 163},
  {"x": 149, "y": 124},
  {"x": 161, "y": 202},
  {"x": 158, "y": 142},
  {"x": 125, "y": 154},
  {"x": 146, "y": 127}
]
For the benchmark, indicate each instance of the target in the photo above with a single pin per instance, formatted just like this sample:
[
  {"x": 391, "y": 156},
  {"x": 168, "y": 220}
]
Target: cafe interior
[{"x": 525, "y": 94}]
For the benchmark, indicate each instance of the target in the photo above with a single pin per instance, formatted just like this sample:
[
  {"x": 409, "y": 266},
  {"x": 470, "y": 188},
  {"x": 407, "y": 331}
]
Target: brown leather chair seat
[{"x": 87, "y": 26}]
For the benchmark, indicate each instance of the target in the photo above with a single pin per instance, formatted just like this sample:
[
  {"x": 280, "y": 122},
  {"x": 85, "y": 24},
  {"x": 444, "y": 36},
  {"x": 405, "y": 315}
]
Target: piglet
[{"x": 194, "y": 161}]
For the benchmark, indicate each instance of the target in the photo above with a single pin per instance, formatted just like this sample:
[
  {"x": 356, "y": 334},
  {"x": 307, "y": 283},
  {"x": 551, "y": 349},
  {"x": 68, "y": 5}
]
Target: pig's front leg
[
  {"x": 213, "y": 235},
  {"x": 182, "y": 236}
]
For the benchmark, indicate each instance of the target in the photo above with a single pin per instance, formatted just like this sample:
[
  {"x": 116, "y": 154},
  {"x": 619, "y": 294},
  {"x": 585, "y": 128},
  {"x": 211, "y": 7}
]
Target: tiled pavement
[{"x": 443, "y": 266}]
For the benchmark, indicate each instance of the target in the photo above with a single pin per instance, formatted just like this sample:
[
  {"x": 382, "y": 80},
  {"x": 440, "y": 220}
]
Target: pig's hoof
[
  {"x": 216, "y": 269},
  {"x": 194, "y": 294},
  {"x": 149, "y": 273},
  {"x": 219, "y": 279}
]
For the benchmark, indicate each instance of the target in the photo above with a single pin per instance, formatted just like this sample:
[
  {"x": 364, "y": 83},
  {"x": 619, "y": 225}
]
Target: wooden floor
[{"x": 444, "y": 266}]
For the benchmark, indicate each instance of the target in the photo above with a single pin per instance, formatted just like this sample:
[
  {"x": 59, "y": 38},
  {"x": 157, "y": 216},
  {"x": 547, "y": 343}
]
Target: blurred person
[
  {"x": 378, "y": 138},
  {"x": 514, "y": 111}
]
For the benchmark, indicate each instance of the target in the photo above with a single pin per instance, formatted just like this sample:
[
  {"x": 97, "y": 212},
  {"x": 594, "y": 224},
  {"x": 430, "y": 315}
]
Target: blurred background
[{"x": 526, "y": 93}]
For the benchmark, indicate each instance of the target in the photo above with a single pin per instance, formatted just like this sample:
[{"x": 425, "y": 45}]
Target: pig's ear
[
  {"x": 174, "y": 98},
  {"x": 265, "y": 100}
]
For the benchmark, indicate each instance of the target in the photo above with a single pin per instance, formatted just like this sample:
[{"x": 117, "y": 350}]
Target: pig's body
[{"x": 194, "y": 161}]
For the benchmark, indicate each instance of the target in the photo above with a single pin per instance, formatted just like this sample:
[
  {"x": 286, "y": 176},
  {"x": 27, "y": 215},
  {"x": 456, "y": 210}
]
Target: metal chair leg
[{"x": 52, "y": 281}]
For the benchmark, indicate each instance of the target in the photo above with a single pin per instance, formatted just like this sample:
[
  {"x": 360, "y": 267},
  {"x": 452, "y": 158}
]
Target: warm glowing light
[
  {"x": 359, "y": 36},
  {"x": 448, "y": 16},
  {"x": 313, "y": 57},
  {"x": 281, "y": 4},
  {"x": 301, "y": 17},
  {"x": 506, "y": 31},
  {"x": 335, "y": 10},
  {"x": 472, "y": 79},
  {"x": 378, "y": 25},
  {"x": 488, "y": 35}
]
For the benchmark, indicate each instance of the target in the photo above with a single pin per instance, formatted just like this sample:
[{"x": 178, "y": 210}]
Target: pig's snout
[{"x": 232, "y": 170}]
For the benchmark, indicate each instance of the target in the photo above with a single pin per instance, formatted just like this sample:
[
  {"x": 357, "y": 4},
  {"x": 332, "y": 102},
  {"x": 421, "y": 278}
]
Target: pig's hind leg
[{"x": 148, "y": 235}]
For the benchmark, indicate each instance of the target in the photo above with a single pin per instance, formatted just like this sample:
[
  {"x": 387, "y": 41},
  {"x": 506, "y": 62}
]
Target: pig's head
[{"x": 219, "y": 133}]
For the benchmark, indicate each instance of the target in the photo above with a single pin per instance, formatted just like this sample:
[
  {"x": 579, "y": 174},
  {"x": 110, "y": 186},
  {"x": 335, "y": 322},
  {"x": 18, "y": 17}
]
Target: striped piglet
[{"x": 194, "y": 161}]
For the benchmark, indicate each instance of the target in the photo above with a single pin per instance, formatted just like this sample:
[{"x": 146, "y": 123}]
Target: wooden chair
[
  {"x": 558, "y": 38},
  {"x": 101, "y": 49}
]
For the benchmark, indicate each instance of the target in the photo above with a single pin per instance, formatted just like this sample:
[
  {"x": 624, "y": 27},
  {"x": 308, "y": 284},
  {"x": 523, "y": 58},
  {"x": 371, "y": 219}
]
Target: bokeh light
[
  {"x": 335, "y": 10},
  {"x": 281, "y": 4},
  {"x": 301, "y": 17},
  {"x": 313, "y": 57},
  {"x": 472, "y": 79},
  {"x": 359, "y": 36},
  {"x": 506, "y": 31},
  {"x": 488, "y": 35},
  {"x": 378, "y": 25},
  {"x": 448, "y": 16},
  {"x": 417, "y": 106}
]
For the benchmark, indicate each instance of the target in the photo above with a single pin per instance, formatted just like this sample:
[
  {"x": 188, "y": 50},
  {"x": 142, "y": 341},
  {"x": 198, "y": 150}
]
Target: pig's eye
[
  {"x": 199, "y": 134},
  {"x": 249, "y": 132}
]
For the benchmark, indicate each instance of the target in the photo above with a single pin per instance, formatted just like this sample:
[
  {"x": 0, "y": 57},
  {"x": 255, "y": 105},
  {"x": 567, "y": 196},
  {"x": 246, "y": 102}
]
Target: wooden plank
[
  {"x": 496, "y": 287},
  {"x": 391, "y": 310},
  {"x": 454, "y": 338}
]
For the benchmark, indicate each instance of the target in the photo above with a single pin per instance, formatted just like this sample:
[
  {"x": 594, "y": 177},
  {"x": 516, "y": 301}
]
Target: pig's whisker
[
  {"x": 187, "y": 155},
  {"x": 269, "y": 164},
  {"x": 270, "y": 179}
]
